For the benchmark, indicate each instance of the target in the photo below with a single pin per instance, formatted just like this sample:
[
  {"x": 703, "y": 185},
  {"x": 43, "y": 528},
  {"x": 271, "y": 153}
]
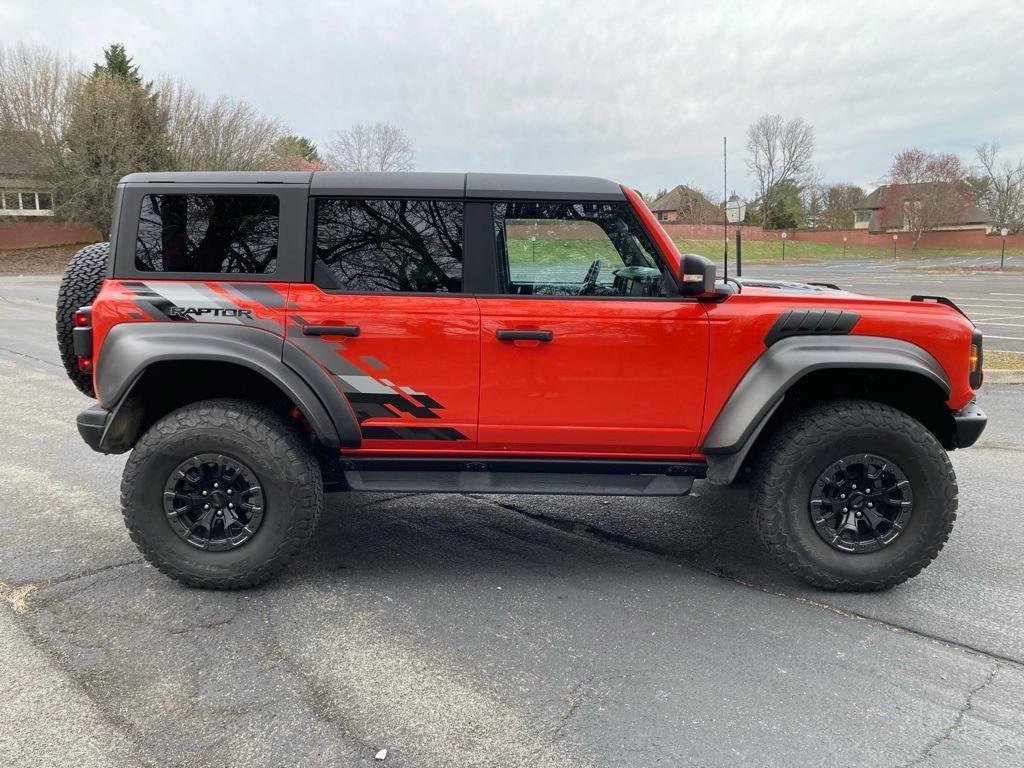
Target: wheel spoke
[{"x": 874, "y": 520}]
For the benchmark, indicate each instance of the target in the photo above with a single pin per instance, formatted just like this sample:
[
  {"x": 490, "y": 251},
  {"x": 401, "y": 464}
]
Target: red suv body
[{"x": 481, "y": 332}]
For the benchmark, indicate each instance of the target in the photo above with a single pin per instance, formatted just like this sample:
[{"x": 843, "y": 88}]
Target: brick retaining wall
[
  {"x": 42, "y": 234},
  {"x": 974, "y": 239}
]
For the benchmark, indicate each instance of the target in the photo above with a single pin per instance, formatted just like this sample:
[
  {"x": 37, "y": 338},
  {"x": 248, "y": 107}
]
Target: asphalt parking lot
[
  {"x": 511, "y": 631},
  {"x": 993, "y": 299}
]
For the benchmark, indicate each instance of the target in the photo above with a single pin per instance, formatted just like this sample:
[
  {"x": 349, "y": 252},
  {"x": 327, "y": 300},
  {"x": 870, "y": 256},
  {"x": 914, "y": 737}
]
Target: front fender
[{"x": 764, "y": 386}]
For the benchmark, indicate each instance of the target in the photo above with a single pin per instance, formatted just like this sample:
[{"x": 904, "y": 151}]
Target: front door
[
  {"x": 585, "y": 352},
  {"x": 386, "y": 316}
]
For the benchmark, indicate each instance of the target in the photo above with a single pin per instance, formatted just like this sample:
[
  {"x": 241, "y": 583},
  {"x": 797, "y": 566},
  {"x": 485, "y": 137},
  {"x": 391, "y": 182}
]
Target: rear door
[
  {"x": 387, "y": 317},
  {"x": 585, "y": 351}
]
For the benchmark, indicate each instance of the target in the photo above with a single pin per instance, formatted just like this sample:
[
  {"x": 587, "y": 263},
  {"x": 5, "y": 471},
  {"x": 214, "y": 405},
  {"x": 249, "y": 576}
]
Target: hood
[{"x": 789, "y": 286}]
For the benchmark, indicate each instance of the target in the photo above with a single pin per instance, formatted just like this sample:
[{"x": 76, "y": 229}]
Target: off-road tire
[
  {"x": 803, "y": 446},
  {"x": 78, "y": 287},
  {"x": 277, "y": 452}
]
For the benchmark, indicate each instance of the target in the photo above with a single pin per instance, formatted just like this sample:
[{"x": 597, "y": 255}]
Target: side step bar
[{"x": 575, "y": 476}]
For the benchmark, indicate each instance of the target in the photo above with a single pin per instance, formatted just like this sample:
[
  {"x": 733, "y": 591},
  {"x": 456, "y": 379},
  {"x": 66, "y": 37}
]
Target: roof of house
[
  {"x": 677, "y": 197},
  {"x": 886, "y": 202},
  {"x": 461, "y": 185},
  {"x": 22, "y": 155}
]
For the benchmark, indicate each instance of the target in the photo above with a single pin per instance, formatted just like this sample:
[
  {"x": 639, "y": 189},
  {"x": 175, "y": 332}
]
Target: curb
[{"x": 1004, "y": 376}]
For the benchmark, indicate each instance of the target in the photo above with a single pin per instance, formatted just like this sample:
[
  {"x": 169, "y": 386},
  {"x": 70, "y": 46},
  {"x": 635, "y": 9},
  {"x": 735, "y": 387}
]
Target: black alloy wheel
[
  {"x": 861, "y": 503},
  {"x": 214, "y": 502}
]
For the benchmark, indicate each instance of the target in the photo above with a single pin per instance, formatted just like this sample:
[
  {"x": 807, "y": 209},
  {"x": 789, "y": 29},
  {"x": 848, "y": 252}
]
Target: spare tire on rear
[{"x": 78, "y": 287}]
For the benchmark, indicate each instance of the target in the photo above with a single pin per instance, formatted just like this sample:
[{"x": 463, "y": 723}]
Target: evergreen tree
[
  {"x": 118, "y": 63},
  {"x": 116, "y": 127}
]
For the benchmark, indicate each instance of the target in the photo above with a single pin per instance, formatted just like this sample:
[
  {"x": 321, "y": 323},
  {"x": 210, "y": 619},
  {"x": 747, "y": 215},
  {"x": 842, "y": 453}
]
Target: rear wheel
[
  {"x": 854, "y": 495},
  {"x": 221, "y": 494},
  {"x": 78, "y": 287}
]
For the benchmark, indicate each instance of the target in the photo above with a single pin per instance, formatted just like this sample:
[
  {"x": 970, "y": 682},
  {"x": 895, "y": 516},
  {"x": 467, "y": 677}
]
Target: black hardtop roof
[{"x": 522, "y": 186}]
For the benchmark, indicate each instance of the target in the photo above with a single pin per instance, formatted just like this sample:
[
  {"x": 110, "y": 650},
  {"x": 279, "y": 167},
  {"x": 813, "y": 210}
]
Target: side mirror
[{"x": 696, "y": 275}]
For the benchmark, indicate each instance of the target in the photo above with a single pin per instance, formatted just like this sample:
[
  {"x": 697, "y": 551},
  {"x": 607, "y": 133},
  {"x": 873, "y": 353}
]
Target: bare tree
[
  {"x": 35, "y": 90},
  {"x": 838, "y": 204},
  {"x": 697, "y": 206},
  {"x": 216, "y": 134},
  {"x": 1002, "y": 194},
  {"x": 378, "y": 147},
  {"x": 928, "y": 188},
  {"x": 780, "y": 151}
]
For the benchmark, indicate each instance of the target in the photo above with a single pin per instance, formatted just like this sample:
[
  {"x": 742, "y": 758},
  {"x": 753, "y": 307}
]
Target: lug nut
[
  {"x": 206, "y": 506},
  {"x": 217, "y": 485},
  {"x": 230, "y": 492},
  {"x": 859, "y": 514},
  {"x": 230, "y": 505},
  {"x": 846, "y": 509},
  {"x": 842, "y": 495},
  {"x": 205, "y": 492},
  {"x": 220, "y": 513},
  {"x": 854, "y": 487},
  {"x": 870, "y": 505}
]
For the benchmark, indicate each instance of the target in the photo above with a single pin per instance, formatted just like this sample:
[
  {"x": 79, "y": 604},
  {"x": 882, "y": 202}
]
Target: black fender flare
[
  {"x": 129, "y": 349},
  {"x": 763, "y": 388}
]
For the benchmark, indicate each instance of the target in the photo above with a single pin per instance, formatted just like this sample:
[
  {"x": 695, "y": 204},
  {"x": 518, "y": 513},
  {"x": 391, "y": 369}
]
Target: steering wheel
[{"x": 590, "y": 279}]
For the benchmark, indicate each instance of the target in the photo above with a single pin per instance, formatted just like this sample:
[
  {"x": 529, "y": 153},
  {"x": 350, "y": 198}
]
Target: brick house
[
  {"x": 685, "y": 205},
  {"x": 26, "y": 177},
  {"x": 886, "y": 208}
]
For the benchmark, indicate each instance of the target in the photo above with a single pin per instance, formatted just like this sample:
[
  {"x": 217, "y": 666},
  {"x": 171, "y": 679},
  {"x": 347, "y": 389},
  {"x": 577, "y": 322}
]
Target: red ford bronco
[{"x": 256, "y": 339}]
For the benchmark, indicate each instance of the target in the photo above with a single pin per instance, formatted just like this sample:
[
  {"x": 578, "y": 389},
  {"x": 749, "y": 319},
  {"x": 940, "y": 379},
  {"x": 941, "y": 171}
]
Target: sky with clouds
[{"x": 641, "y": 92}]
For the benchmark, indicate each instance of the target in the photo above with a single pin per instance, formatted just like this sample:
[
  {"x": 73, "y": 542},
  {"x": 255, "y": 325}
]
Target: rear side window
[
  {"x": 208, "y": 233},
  {"x": 387, "y": 246}
]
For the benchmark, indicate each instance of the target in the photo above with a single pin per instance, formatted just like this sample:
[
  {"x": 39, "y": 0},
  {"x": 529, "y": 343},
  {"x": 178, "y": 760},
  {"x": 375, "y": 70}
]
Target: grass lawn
[
  {"x": 771, "y": 250},
  {"x": 561, "y": 251},
  {"x": 541, "y": 252}
]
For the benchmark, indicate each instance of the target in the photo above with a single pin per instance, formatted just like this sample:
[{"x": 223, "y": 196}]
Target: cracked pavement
[{"x": 473, "y": 630}]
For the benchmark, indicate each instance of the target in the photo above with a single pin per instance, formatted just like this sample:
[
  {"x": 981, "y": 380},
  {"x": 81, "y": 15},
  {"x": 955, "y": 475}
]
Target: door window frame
[{"x": 494, "y": 282}]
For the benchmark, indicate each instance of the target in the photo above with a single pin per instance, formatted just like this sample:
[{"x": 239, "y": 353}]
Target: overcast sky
[{"x": 640, "y": 91}]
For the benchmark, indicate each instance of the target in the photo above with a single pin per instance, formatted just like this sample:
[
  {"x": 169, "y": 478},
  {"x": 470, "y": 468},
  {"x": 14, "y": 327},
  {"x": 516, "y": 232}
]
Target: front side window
[
  {"x": 388, "y": 246},
  {"x": 208, "y": 233},
  {"x": 575, "y": 249}
]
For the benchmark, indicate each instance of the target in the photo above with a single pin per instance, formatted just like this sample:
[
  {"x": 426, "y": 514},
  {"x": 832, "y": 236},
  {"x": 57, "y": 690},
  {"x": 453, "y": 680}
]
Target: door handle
[
  {"x": 509, "y": 335},
  {"x": 330, "y": 330}
]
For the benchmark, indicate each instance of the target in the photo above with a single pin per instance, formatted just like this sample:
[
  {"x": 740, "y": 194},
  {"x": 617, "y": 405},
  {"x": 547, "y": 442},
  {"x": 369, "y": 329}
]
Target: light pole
[
  {"x": 735, "y": 211},
  {"x": 844, "y": 246},
  {"x": 894, "y": 239},
  {"x": 783, "y": 246},
  {"x": 1002, "y": 251}
]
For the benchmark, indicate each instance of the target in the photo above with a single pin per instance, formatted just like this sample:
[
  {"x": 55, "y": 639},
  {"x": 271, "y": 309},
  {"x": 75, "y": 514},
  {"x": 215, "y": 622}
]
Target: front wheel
[
  {"x": 854, "y": 495},
  {"x": 221, "y": 494}
]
